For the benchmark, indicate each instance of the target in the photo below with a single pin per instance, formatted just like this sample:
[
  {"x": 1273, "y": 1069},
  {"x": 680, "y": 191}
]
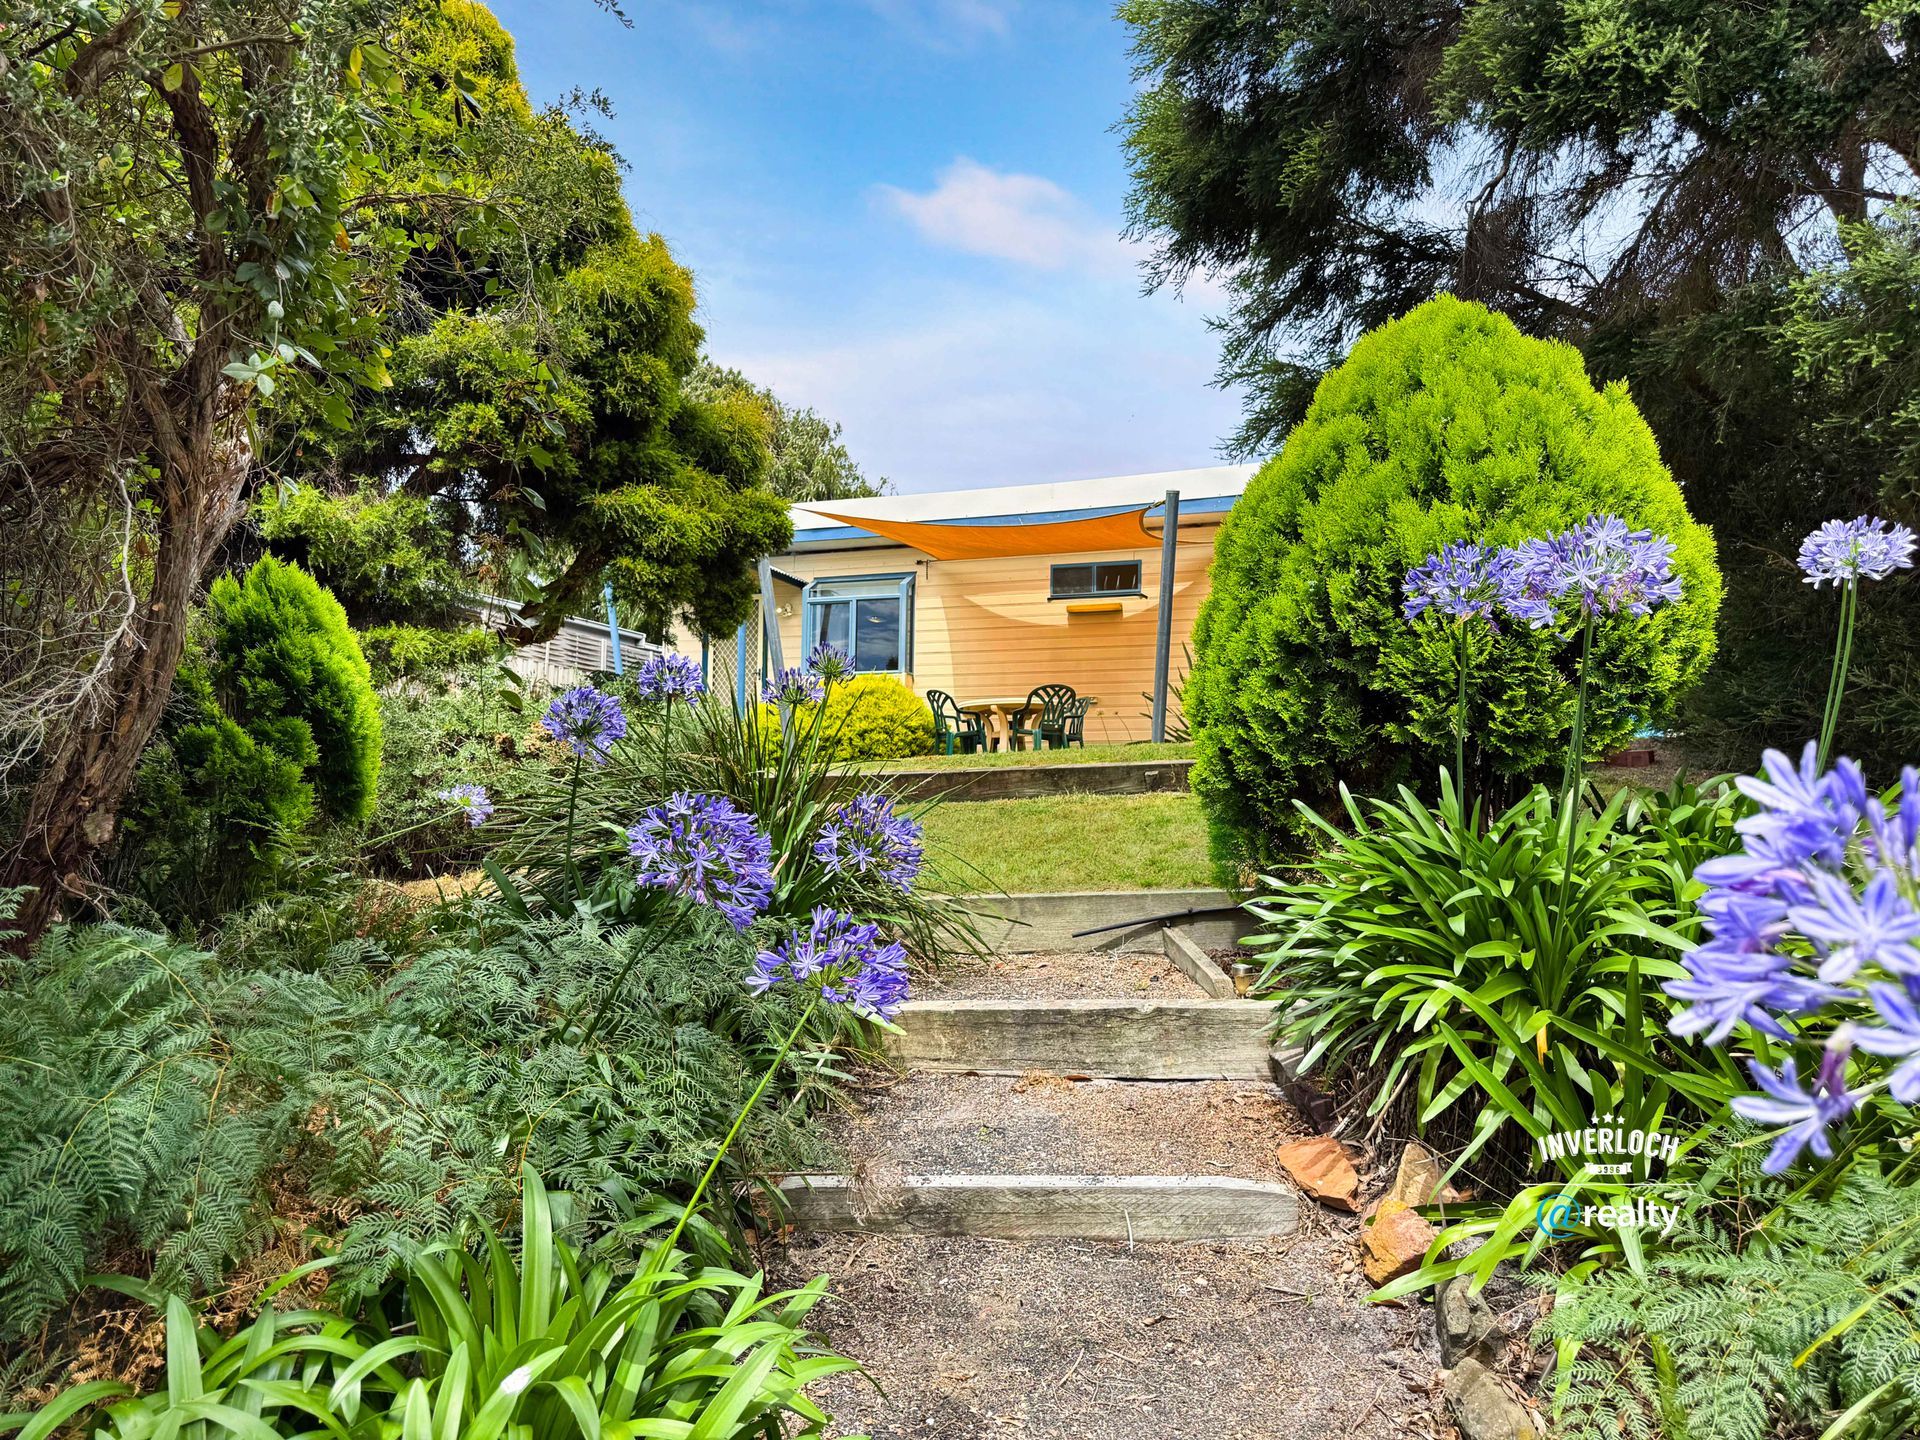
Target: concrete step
[
  {"x": 1118, "y": 1039},
  {"x": 1036, "y": 1207}
]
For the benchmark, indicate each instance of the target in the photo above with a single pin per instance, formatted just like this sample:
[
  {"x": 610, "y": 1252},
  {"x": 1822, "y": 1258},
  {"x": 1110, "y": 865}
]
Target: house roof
[{"x": 1202, "y": 491}]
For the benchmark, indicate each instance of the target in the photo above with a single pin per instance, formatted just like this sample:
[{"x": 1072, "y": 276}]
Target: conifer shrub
[
  {"x": 289, "y": 670},
  {"x": 1446, "y": 424}
]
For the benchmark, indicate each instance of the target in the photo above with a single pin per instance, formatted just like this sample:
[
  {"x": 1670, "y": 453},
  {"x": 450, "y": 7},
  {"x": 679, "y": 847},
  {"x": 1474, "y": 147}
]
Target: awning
[{"x": 945, "y": 541}]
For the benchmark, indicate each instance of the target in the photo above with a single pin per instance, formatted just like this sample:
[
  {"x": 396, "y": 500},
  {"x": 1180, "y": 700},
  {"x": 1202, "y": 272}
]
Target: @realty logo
[{"x": 1560, "y": 1215}]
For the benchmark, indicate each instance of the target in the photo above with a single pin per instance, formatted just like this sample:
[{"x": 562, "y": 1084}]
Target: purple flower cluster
[
  {"x": 707, "y": 849},
  {"x": 830, "y": 663},
  {"x": 794, "y": 686},
  {"x": 1843, "y": 551},
  {"x": 844, "y": 958},
  {"x": 588, "y": 721},
  {"x": 1816, "y": 909},
  {"x": 1600, "y": 563},
  {"x": 864, "y": 836},
  {"x": 472, "y": 801},
  {"x": 670, "y": 677},
  {"x": 1463, "y": 581}
]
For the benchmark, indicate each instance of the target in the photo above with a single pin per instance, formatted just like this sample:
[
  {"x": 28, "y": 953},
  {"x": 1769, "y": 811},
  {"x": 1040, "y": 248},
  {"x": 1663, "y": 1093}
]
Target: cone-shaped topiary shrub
[
  {"x": 288, "y": 668},
  {"x": 1447, "y": 424}
]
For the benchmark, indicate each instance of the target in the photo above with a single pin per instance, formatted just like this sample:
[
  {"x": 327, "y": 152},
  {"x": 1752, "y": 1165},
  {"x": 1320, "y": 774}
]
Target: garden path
[{"x": 1092, "y": 1332}]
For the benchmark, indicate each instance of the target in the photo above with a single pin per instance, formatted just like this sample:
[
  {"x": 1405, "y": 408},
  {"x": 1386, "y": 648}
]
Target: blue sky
[{"x": 906, "y": 214}]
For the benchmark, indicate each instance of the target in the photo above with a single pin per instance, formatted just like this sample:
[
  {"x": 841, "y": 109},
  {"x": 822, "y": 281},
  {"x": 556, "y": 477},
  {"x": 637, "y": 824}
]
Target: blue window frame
[{"x": 870, "y": 617}]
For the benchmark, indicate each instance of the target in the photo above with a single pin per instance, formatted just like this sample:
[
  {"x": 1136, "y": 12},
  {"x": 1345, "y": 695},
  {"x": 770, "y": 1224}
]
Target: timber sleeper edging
[
  {"x": 1042, "y": 1207},
  {"x": 1201, "y": 1039}
]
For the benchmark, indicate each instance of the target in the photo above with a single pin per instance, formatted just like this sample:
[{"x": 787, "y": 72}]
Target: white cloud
[
  {"x": 982, "y": 389},
  {"x": 945, "y": 23},
  {"x": 1026, "y": 219}
]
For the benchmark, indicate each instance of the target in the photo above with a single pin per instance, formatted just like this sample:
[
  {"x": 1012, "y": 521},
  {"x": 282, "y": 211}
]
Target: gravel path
[
  {"x": 1076, "y": 1341},
  {"x": 1045, "y": 1125},
  {"x": 1059, "y": 975}
]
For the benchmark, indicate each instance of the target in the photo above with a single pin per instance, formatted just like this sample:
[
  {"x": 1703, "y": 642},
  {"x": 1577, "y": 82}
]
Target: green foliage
[
  {"x": 476, "y": 728},
  {"x": 149, "y": 1091},
  {"x": 1800, "y": 406},
  {"x": 375, "y": 550},
  {"x": 538, "y": 407},
  {"x": 486, "y": 1343},
  {"x": 289, "y": 670},
  {"x": 809, "y": 461},
  {"x": 1447, "y": 424},
  {"x": 415, "y": 652},
  {"x": 1312, "y": 154},
  {"x": 867, "y": 717},
  {"x": 1468, "y": 960},
  {"x": 1749, "y": 1330},
  {"x": 213, "y": 810}
]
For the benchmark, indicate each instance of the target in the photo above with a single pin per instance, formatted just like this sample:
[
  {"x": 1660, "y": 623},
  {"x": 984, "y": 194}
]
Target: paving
[{"x": 966, "y": 1335}]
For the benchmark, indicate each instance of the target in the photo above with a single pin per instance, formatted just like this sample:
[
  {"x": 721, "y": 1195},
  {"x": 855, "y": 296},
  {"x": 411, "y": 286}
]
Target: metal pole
[
  {"x": 613, "y": 627},
  {"x": 1163, "y": 642},
  {"x": 740, "y": 670},
  {"x": 770, "y": 617}
]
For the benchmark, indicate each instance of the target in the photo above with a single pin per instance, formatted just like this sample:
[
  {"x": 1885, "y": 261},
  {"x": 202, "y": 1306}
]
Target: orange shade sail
[{"x": 1124, "y": 531}]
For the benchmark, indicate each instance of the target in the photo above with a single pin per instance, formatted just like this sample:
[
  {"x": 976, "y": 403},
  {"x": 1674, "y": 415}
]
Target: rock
[
  {"x": 1483, "y": 1409},
  {"x": 1417, "y": 1180},
  {"x": 1395, "y": 1243},
  {"x": 1464, "y": 1323},
  {"x": 1321, "y": 1168}
]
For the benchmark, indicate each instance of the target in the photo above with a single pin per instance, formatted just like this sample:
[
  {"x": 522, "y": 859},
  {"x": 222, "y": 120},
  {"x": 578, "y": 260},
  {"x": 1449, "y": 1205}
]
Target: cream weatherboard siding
[{"x": 986, "y": 627}]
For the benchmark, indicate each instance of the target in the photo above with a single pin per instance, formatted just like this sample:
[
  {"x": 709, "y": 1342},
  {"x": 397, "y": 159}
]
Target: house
[
  {"x": 989, "y": 593},
  {"x": 581, "y": 646}
]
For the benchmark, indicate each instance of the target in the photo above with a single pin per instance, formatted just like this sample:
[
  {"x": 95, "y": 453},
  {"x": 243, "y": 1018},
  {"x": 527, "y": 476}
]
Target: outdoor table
[{"x": 999, "y": 711}]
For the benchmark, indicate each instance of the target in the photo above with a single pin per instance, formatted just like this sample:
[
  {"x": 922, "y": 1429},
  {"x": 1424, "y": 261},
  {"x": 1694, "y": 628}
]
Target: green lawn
[
  {"x": 1080, "y": 755},
  {"x": 1068, "y": 842}
]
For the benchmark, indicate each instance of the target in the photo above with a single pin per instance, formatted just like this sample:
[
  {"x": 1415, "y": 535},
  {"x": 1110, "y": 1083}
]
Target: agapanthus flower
[
  {"x": 1463, "y": 581},
  {"x": 830, "y": 663},
  {"x": 1865, "y": 548},
  {"x": 1600, "y": 564},
  {"x": 1896, "y": 1037},
  {"x": 795, "y": 685},
  {"x": 844, "y": 959},
  {"x": 472, "y": 801},
  {"x": 1806, "y": 1114},
  {"x": 707, "y": 849},
  {"x": 1815, "y": 913},
  {"x": 668, "y": 676},
  {"x": 587, "y": 721},
  {"x": 864, "y": 836}
]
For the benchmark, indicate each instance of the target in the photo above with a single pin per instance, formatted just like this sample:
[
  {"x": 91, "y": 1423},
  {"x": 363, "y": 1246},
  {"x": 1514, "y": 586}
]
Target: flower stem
[
  {"x": 573, "y": 805},
  {"x": 1842, "y": 659},
  {"x": 686, "y": 1211},
  {"x": 1460, "y": 722},
  {"x": 661, "y": 930}
]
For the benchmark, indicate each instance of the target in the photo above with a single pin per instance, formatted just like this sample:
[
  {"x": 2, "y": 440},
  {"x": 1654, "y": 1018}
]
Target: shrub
[
  {"x": 212, "y": 810},
  {"x": 1447, "y": 424},
  {"x": 289, "y": 670},
  {"x": 868, "y": 717},
  {"x": 404, "y": 652}
]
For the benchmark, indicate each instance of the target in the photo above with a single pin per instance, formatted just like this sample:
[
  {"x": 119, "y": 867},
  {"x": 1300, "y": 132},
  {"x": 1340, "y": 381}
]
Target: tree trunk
[{"x": 77, "y": 797}]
